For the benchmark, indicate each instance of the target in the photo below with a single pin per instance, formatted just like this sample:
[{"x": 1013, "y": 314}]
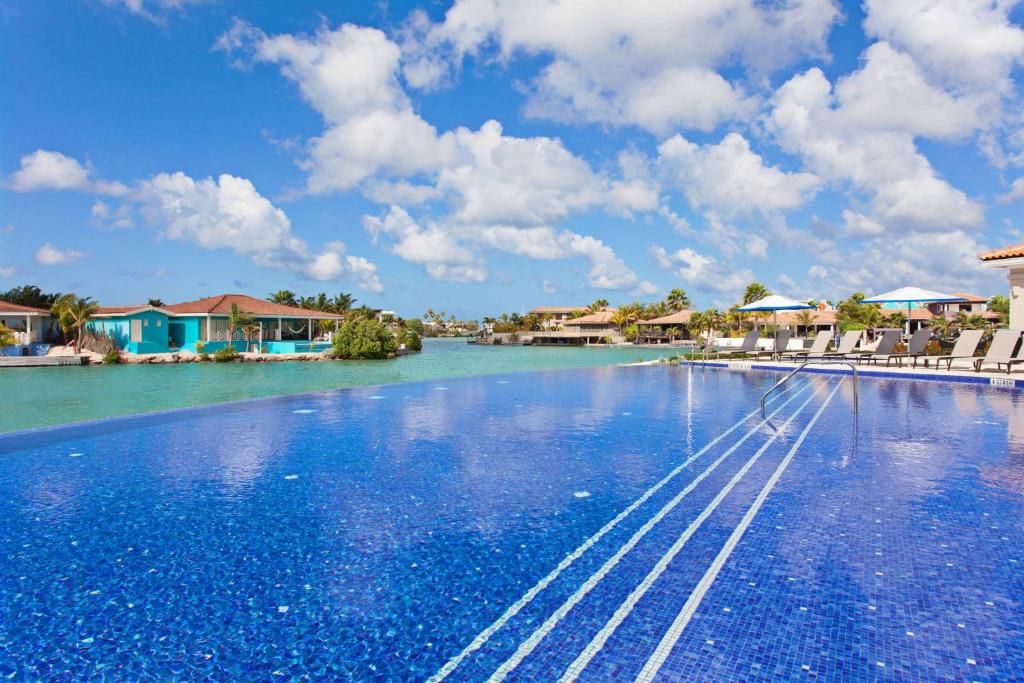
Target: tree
[
  {"x": 896, "y": 320},
  {"x": 239, "y": 320},
  {"x": 72, "y": 313},
  {"x": 1000, "y": 305},
  {"x": 805, "y": 319},
  {"x": 156, "y": 303},
  {"x": 852, "y": 313},
  {"x": 673, "y": 333},
  {"x": 342, "y": 303},
  {"x": 364, "y": 339},
  {"x": 677, "y": 300},
  {"x": 754, "y": 291},
  {"x": 30, "y": 295},
  {"x": 942, "y": 327},
  {"x": 283, "y": 296},
  {"x": 707, "y": 321},
  {"x": 598, "y": 305},
  {"x": 6, "y": 337}
]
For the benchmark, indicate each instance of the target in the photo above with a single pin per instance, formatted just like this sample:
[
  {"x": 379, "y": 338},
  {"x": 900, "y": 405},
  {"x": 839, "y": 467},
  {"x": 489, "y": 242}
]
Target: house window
[
  {"x": 136, "y": 330},
  {"x": 145, "y": 323},
  {"x": 159, "y": 323}
]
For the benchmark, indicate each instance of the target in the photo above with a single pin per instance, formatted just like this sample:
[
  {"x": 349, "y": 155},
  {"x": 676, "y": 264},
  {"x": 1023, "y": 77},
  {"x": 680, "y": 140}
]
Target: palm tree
[
  {"x": 156, "y": 303},
  {"x": 72, "y": 313},
  {"x": 677, "y": 300},
  {"x": 805, "y": 319},
  {"x": 283, "y": 296},
  {"x": 239, "y": 320},
  {"x": 342, "y": 303},
  {"x": 942, "y": 326},
  {"x": 598, "y": 305},
  {"x": 754, "y": 292},
  {"x": 6, "y": 337},
  {"x": 852, "y": 312}
]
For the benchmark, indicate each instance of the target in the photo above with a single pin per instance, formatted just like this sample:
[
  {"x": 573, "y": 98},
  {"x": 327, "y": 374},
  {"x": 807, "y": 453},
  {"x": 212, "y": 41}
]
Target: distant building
[
  {"x": 31, "y": 326},
  {"x": 656, "y": 330},
  {"x": 180, "y": 327},
  {"x": 1011, "y": 258},
  {"x": 554, "y": 316}
]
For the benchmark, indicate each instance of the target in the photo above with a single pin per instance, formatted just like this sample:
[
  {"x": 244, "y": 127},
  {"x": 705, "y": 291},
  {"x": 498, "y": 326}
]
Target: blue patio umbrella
[
  {"x": 775, "y": 303},
  {"x": 911, "y": 295}
]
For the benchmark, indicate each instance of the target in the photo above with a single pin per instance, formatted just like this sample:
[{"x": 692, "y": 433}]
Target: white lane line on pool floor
[
  {"x": 671, "y": 637},
  {"x": 528, "y": 645},
  {"x": 624, "y": 610},
  {"x": 527, "y": 597}
]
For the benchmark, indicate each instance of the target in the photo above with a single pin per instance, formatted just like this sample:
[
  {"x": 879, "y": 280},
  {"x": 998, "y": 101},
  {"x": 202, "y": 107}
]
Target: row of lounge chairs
[{"x": 1000, "y": 353}]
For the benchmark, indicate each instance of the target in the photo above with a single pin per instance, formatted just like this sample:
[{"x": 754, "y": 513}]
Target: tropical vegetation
[
  {"x": 6, "y": 337},
  {"x": 72, "y": 313},
  {"x": 363, "y": 339}
]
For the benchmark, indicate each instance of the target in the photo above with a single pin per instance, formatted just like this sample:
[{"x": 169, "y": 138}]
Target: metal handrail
[{"x": 856, "y": 408}]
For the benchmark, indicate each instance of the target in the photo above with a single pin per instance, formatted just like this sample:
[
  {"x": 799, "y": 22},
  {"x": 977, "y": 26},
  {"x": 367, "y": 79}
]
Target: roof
[
  {"x": 128, "y": 310},
  {"x": 221, "y": 305},
  {"x": 600, "y": 318},
  {"x": 818, "y": 317},
  {"x": 1015, "y": 251},
  {"x": 677, "y": 318},
  {"x": 971, "y": 298},
  {"x": 8, "y": 307},
  {"x": 539, "y": 310}
]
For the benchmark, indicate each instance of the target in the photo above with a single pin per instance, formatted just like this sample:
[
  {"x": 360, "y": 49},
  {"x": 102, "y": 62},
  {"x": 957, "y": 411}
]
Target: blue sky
[{"x": 481, "y": 157}]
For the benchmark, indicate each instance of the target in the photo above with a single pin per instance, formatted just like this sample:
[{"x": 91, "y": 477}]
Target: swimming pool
[{"x": 607, "y": 523}]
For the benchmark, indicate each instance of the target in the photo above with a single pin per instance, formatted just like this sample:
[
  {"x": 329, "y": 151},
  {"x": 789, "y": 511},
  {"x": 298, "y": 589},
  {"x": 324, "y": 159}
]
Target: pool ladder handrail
[{"x": 853, "y": 366}]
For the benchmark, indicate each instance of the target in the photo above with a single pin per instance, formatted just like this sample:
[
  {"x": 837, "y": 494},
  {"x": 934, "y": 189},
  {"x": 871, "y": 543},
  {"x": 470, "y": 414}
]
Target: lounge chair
[
  {"x": 964, "y": 348},
  {"x": 847, "y": 344},
  {"x": 818, "y": 349},
  {"x": 780, "y": 343},
  {"x": 918, "y": 344},
  {"x": 749, "y": 345},
  {"x": 1001, "y": 351},
  {"x": 884, "y": 350}
]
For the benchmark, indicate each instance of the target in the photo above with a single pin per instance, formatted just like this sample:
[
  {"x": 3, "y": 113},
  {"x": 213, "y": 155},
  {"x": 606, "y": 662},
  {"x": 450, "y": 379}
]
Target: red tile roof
[
  {"x": 971, "y": 298},
  {"x": 600, "y": 318},
  {"x": 677, "y": 318},
  {"x": 221, "y": 305},
  {"x": 826, "y": 317},
  {"x": 126, "y": 310},
  {"x": 1014, "y": 251},
  {"x": 8, "y": 307}
]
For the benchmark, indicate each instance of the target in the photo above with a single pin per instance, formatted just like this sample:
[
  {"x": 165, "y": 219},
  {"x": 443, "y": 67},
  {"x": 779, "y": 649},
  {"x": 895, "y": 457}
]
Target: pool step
[{"x": 554, "y": 625}]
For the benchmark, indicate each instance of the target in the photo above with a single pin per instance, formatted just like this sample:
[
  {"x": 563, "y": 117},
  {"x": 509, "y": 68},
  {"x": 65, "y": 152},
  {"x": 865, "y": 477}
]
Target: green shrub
[
  {"x": 225, "y": 354},
  {"x": 199, "y": 347},
  {"x": 112, "y": 357},
  {"x": 364, "y": 339},
  {"x": 411, "y": 339}
]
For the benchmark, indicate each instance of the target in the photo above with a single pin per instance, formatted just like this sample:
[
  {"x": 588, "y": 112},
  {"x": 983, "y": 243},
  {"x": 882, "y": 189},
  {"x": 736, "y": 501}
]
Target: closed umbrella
[{"x": 775, "y": 303}]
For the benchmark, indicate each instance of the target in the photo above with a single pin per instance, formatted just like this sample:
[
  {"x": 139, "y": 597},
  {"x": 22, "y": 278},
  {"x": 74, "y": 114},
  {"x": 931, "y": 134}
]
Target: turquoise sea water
[{"x": 37, "y": 397}]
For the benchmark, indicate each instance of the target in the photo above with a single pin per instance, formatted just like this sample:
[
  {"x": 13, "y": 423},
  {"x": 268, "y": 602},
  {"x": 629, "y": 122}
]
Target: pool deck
[{"x": 986, "y": 377}]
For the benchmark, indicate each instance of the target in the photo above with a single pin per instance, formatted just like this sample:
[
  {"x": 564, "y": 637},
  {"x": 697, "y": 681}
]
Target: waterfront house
[
  {"x": 135, "y": 329},
  {"x": 31, "y": 326},
  {"x": 180, "y": 327},
  {"x": 655, "y": 330},
  {"x": 1011, "y": 258},
  {"x": 552, "y": 317}
]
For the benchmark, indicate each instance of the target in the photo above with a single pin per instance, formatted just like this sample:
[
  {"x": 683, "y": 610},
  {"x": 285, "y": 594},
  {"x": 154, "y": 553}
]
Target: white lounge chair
[
  {"x": 884, "y": 350},
  {"x": 781, "y": 341}
]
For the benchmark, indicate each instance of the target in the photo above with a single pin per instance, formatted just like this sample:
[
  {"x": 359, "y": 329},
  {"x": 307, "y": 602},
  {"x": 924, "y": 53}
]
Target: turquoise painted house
[
  {"x": 180, "y": 327},
  {"x": 135, "y": 329}
]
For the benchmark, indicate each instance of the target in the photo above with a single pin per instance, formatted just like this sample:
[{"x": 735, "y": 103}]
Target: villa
[
  {"x": 656, "y": 330},
  {"x": 30, "y": 325},
  {"x": 180, "y": 327},
  {"x": 552, "y": 317}
]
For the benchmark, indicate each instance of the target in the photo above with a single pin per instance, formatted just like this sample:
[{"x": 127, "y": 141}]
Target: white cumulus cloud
[
  {"x": 48, "y": 170},
  {"x": 49, "y": 255}
]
